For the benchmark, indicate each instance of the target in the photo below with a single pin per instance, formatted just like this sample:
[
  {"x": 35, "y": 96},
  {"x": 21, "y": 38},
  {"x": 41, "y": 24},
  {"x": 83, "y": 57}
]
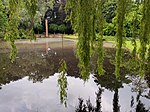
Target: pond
[{"x": 30, "y": 84}]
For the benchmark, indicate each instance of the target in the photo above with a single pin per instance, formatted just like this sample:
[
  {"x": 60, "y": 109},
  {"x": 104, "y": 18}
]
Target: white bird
[{"x": 51, "y": 52}]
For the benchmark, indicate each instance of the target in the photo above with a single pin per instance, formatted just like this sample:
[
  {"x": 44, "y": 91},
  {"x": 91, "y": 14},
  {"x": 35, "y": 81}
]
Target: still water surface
[{"x": 30, "y": 85}]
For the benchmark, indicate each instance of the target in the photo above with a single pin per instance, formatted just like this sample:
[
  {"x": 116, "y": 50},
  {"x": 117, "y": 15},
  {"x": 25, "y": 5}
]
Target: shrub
[
  {"x": 62, "y": 28},
  {"x": 38, "y": 28},
  {"x": 53, "y": 28},
  {"x": 110, "y": 29}
]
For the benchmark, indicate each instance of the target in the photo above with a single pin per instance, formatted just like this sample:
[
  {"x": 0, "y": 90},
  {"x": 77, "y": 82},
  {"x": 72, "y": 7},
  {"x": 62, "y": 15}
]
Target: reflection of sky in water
[
  {"x": 25, "y": 96},
  {"x": 125, "y": 95}
]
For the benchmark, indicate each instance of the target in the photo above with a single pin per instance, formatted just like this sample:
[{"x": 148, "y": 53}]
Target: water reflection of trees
[
  {"x": 116, "y": 107},
  {"x": 35, "y": 66},
  {"x": 110, "y": 82},
  {"x": 137, "y": 105},
  {"x": 88, "y": 107},
  {"x": 139, "y": 86},
  {"x": 39, "y": 68},
  {"x": 27, "y": 64}
]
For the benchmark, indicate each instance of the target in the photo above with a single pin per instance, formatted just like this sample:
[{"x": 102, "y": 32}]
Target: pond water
[{"x": 30, "y": 84}]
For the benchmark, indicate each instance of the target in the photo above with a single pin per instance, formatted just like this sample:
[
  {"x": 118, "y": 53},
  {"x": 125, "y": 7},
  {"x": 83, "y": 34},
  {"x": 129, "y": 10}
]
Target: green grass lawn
[
  {"x": 74, "y": 36},
  {"x": 128, "y": 43},
  {"x": 109, "y": 38}
]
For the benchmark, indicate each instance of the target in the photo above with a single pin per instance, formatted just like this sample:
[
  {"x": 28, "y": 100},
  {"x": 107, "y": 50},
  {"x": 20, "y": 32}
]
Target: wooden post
[{"x": 46, "y": 25}]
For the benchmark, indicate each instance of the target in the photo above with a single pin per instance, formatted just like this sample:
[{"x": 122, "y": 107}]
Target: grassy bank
[
  {"x": 127, "y": 44},
  {"x": 75, "y": 36}
]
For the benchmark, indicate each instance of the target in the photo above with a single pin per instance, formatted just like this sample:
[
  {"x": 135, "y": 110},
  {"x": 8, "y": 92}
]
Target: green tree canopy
[{"x": 87, "y": 19}]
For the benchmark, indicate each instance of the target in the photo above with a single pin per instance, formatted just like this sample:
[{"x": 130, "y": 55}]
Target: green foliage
[
  {"x": 133, "y": 18},
  {"x": 12, "y": 31},
  {"x": 3, "y": 23},
  {"x": 110, "y": 16},
  {"x": 84, "y": 18},
  {"x": 84, "y": 34},
  {"x": 110, "y": 29},
  {"x": 87, "y": 20},
  {"x": 144, "y": 37},
  {"x": 38, "y": 28},
  {"x": 2, "y": 8},
  {"x": 110, "y": 10},
  {"x": 74, "y": 13},
  {"x": 31, "y": 6},
  {"x": 3, "y": 20},
  {"x": 148, "y": 60},
  {"x": 135, "y": 28},
  {"x": 100, "y": 40},
  {"x": 62, "y": 82},
  {"x": 23, "y": 34},
  {"x": 121, "y": 8},
  {"x": 62, "y": 28},
  {"x": 53, "y": 28}
]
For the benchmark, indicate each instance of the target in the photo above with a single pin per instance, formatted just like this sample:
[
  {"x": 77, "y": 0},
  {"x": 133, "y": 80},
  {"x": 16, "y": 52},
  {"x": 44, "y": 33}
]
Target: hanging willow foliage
[
  {"x": 72, "y": 8},
  {"x": 31, "y": 7},
  {"x": 12, "y": 31},
  {"x": 100, "y": 20},
  {"x": 145, "y": 33},
  {"x": 121, "y": 8},
  {"x": 84, "y": 17},
  {"x": 135, "y": 31},
  {"x": 84, "y": 33},
  {"x": 148, "y": 60},
  {"x": 62, "y": 82},
  {"x": 93, "y": 23}
]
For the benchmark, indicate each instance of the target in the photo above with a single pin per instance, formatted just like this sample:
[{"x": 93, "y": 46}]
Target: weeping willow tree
[
  {"x": 121, "y": 9},
  {"x": 31, "y": 6},
  {"x": 145, "y": 35},
  {"x": 84, "y": 33},
  {"x": 135, "y": 30},
  {"x": 12, "y": 31},
  {"x": 83, "y": 25},
  {"x": 100, "y": 18},
  {"x": 84, "y": 16},
  {"x": 72, "y": 8}
]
